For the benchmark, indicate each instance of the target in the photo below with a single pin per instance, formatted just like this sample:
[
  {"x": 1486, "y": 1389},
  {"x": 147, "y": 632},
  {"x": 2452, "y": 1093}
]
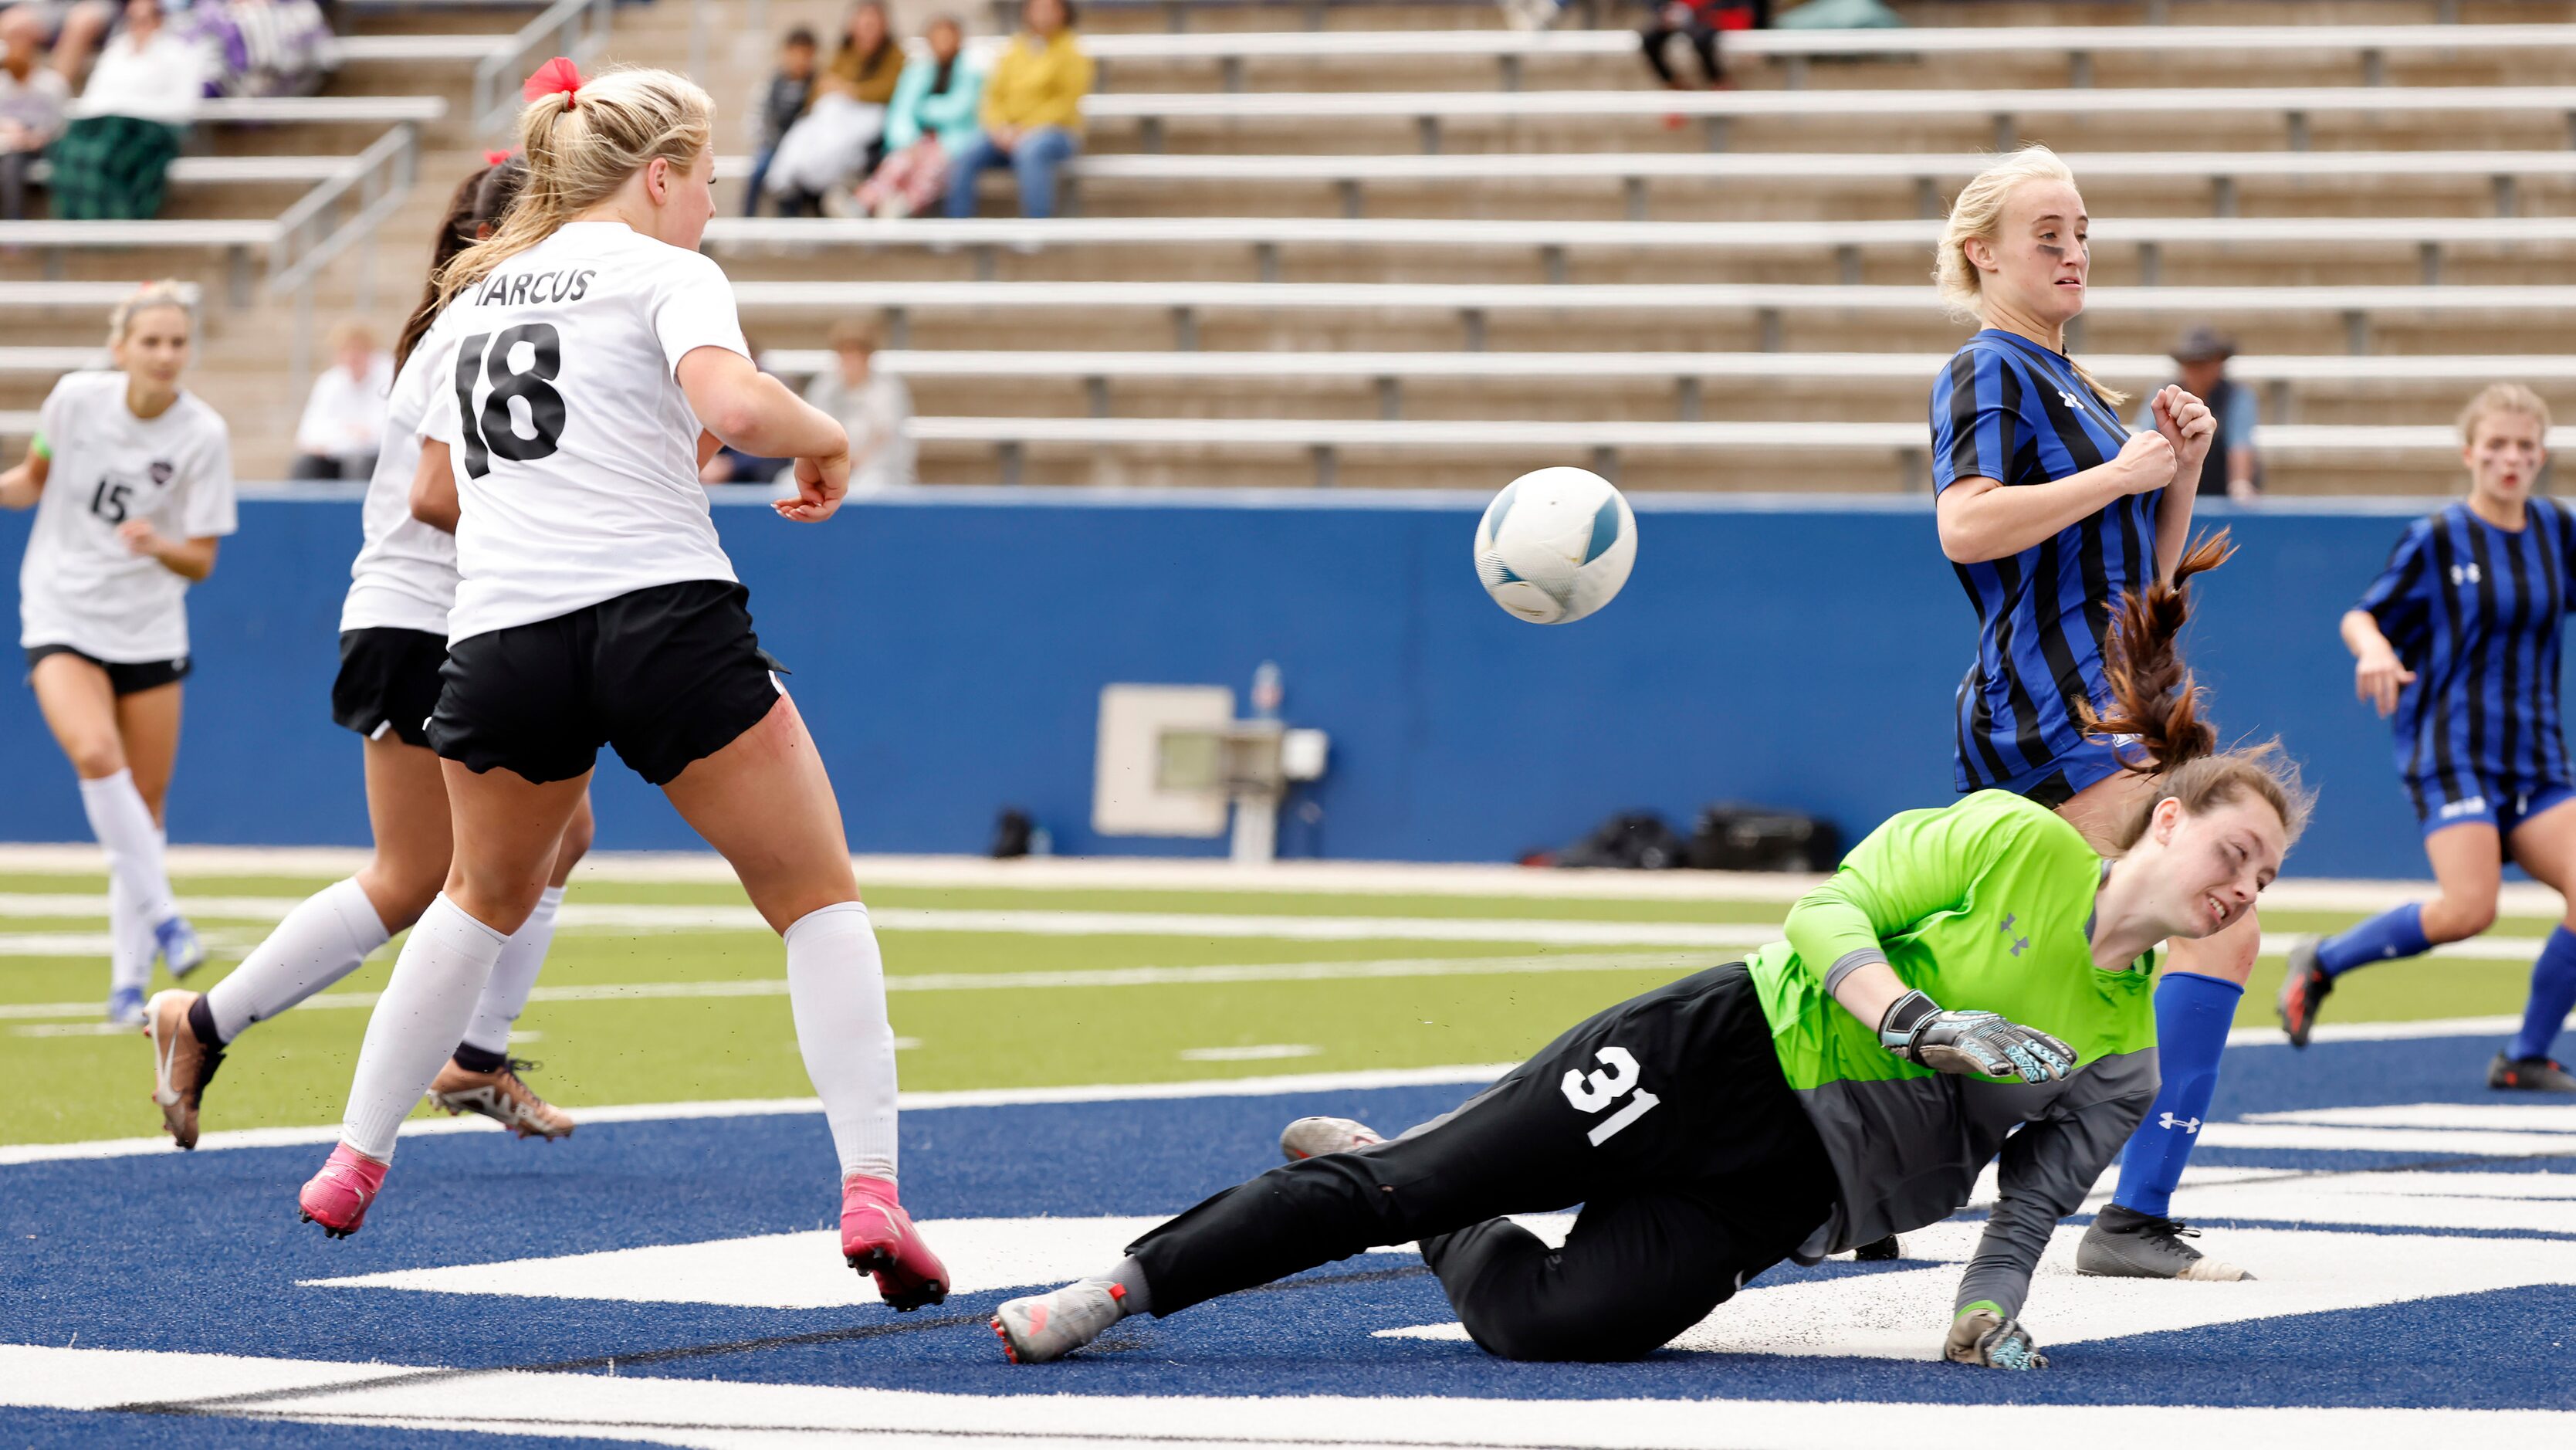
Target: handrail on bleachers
[
  {"x": 1768, "y": 303},
  {"x": 2428, "y": 237}
]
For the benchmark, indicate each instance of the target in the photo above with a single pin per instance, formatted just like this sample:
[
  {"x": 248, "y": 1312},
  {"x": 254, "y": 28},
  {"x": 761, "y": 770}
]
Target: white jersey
[
  {"x": 405, "y": 574},
  {"x": 79, "y": 584},
  {"x": 576, "y": 453}
]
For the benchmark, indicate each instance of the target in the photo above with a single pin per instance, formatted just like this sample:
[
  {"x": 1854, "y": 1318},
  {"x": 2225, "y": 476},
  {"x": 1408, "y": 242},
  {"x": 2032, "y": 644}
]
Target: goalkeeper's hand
[
  {"x": 1981, "y": 1335},
  {"x": 1983, "y": 1044}
]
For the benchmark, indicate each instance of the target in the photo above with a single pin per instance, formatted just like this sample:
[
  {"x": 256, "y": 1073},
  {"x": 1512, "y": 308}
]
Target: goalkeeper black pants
[{"x": 1666, "y": 1117}]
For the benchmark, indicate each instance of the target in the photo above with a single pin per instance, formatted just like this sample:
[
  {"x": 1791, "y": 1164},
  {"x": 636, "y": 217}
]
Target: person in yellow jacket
[{"x": 1032, "y": 112}]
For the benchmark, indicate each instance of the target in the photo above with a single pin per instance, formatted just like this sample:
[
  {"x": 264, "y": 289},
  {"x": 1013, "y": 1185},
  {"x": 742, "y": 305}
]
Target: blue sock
[
  {"x": 2553, "y": 991},
  {"x": 2389, "y": 935},
  {"x": 2192, "y": 1016}
]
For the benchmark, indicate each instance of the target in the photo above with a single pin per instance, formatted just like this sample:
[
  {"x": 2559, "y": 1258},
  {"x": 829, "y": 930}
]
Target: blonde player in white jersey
[
  {"x": 590, "y": 351},
  {"x": 131, "y": 477},
  {"x": 393, "y": 638}
]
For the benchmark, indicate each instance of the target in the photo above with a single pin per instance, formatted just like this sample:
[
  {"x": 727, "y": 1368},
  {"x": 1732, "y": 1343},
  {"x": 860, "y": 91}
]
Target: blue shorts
[
  {"x": 2484, "y": 801},
  {"x": 2058, "y": 781}
]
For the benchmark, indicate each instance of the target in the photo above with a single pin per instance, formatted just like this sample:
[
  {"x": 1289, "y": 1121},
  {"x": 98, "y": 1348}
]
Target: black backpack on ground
[{"x": 1731, "y": 837}]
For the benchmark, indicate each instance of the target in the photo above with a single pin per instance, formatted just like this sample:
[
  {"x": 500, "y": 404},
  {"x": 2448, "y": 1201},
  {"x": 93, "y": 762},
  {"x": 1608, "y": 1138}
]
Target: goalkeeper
[{"x": 1974, "y": 980}]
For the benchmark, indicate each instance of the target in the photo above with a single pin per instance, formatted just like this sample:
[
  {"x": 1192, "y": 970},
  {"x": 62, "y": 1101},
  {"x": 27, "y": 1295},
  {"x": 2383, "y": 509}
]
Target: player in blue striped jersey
[
  {"x": 2052, "y": 510},
  {"x": 2458, "y": 641}
]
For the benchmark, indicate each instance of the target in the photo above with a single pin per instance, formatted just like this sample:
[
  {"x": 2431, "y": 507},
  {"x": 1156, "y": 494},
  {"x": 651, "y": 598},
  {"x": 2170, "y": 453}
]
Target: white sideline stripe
[
  {"x": 1464, "y": 1074},
  {"x": 727, "y": 1413},
  {"x": 625, "y": 916},
  {"x": 1024, "y": 981},
  {"x": 578, "y": 915},
  {"x": 2271, "y": 1036},
  {"x": 2534, "y": 1116},
  {"x": 1371, "y": 878}
]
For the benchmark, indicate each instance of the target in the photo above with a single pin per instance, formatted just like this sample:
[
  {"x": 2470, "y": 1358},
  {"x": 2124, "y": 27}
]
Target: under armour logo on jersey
[
  {"x": 2018, "y": 942},
  {"x": 2069, "y": 399},
  {"x": 2168, "y": 1120},
  {"x": 2465, "y": 574}
]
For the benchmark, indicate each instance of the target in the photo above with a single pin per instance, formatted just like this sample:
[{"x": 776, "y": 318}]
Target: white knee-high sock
[
  {"x": 417, "y": 1022},
  {"x": 514, "y": 975},
  {"x": 130, "y": 945},
  {"x": 322, "y": 940},
  {"x": 836, "y": 988},
  {"x": 123, "y": 825}
]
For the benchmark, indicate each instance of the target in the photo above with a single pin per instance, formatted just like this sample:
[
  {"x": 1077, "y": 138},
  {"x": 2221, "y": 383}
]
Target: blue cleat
[
  {"x": 125, "y": 1007},
  {"x": 180, "y": 950}
]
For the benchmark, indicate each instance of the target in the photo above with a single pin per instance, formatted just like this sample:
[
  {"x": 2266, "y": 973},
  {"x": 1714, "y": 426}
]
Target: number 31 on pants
[{"x": 1595, "y": 1092}]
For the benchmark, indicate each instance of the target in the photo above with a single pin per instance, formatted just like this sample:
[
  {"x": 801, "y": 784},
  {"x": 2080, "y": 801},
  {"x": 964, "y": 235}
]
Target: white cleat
[
  {"x": 1315, "y": 1137},
  {"x": 1050, "y": 1326}
]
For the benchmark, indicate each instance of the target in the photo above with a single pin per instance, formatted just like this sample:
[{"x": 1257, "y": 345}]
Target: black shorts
[
  {"x": 388, "y": 682},
  {"x": 123, "y": 679},
  {"x": 667, "y": 675}
]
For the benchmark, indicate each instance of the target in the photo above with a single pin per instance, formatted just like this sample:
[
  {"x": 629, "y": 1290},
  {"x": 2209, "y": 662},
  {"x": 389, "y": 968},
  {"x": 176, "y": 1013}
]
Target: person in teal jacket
[
  {"x": 1975, "y": 982},
  {"x": 931, "y": 120}
]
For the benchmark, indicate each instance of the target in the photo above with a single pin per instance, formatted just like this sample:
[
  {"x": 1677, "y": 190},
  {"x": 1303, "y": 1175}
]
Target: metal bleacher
[{"x": 1407, "y": 256}]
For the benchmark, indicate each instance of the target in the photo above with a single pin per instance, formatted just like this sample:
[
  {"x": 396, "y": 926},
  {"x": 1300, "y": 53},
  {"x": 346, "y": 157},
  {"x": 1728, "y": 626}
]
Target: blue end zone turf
[{"x": 202, "y": 1253}]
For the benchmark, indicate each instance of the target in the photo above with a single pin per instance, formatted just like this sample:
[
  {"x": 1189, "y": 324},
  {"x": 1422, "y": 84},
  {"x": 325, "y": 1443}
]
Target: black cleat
[
  {"x": 2303, "y": 991},
  {"x": 2530, "y": 1075},
  {"x": 1886, "y": 1250}
]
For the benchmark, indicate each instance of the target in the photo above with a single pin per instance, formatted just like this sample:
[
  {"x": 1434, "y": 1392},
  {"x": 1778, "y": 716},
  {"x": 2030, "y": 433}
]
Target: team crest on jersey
[
  {"x": 2463, "y": 574},
  {"x": 161, "y": 470}
]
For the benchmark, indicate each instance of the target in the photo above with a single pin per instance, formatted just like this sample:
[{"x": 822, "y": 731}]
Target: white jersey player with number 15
[
  {"x": 131, "y": 477},
  {"x": 587, "y": 348}
]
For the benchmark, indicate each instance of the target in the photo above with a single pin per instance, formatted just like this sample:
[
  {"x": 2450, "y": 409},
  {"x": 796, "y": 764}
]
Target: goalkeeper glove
[
  {"x": 1980, "y": 1043},
  {"x": 1981, "y": 1335}
]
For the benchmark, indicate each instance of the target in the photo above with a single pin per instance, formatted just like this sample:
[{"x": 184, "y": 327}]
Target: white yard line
[
  {"x": 729, "y": 1413},
  {"x": 1268, "y": 1085},
  {"x": 1374, "y": 878}
]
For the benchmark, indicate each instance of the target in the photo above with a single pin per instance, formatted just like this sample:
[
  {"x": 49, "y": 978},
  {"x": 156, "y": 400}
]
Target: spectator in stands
[
  {"x": 71, "y": 30},
  {"x": 931, "y": 120},
  {"x": 1032, "y": 111},
  {"x": 259, "y": 47},
  {"x": 114, "y": 158},
  {"x": 841, "y": 136},
  {"x": 790, "y": 88},
  {"x": 1698, "y": 21},
  {"x": 32, "y": 97},
  {"x": 2232, "y": 468},
  {"x": 873, "y": 406},
  {"x": 344, "y": 419}
]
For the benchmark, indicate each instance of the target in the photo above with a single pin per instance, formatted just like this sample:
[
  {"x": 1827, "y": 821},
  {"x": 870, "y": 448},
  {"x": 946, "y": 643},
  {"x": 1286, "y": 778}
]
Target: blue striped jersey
[
  {"x": 2009, "y": 409},
  {"x": 2474, "y": 611}
]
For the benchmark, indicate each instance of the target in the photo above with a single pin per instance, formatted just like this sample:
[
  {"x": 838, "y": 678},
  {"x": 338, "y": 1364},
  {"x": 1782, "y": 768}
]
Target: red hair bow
[
  {"x": 495, "y": 158},
  {"x": 557, "y": 77}
]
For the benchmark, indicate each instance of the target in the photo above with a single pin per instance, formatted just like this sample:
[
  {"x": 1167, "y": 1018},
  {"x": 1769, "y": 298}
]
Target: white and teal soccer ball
[{"x": 1556, "y": 545}]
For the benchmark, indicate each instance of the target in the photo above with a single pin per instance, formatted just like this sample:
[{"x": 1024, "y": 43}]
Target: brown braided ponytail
[{"x": 2159, "y": 709}]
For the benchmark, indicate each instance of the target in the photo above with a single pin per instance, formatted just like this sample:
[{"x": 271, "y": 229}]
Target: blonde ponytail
[
  {"x": 580, "y": 148},
  {"x": 1977, "y": 215}
]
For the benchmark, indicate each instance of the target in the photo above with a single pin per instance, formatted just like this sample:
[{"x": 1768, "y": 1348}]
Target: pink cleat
[
  {"x": 877, "y": 1237},
  {"x": 338, "y": 1196}
]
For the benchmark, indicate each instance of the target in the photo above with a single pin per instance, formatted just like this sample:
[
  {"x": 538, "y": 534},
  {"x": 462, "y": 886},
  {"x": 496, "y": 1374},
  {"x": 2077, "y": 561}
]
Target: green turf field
[{"x": 691, "y": 1005}]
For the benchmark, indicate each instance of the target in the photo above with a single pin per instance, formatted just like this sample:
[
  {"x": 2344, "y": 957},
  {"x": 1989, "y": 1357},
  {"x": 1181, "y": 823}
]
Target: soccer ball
[{"x": 1556, "y": 545}]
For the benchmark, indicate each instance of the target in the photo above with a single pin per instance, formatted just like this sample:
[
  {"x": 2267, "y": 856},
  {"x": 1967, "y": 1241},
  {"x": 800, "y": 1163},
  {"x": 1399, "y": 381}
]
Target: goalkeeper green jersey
[{"x": 1986, "y": 904}]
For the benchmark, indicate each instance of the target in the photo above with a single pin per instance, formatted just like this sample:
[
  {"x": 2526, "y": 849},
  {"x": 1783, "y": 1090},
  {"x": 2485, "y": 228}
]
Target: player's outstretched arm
[
  {"x": 21, "y": 486},
  {"x": 2377, "y": 675},
  {"x": 762, "y": 416}
]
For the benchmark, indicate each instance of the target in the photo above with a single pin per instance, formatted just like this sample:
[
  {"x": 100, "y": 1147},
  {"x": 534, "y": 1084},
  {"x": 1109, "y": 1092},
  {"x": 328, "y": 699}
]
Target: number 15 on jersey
[{"x": 521, "y": 395}]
